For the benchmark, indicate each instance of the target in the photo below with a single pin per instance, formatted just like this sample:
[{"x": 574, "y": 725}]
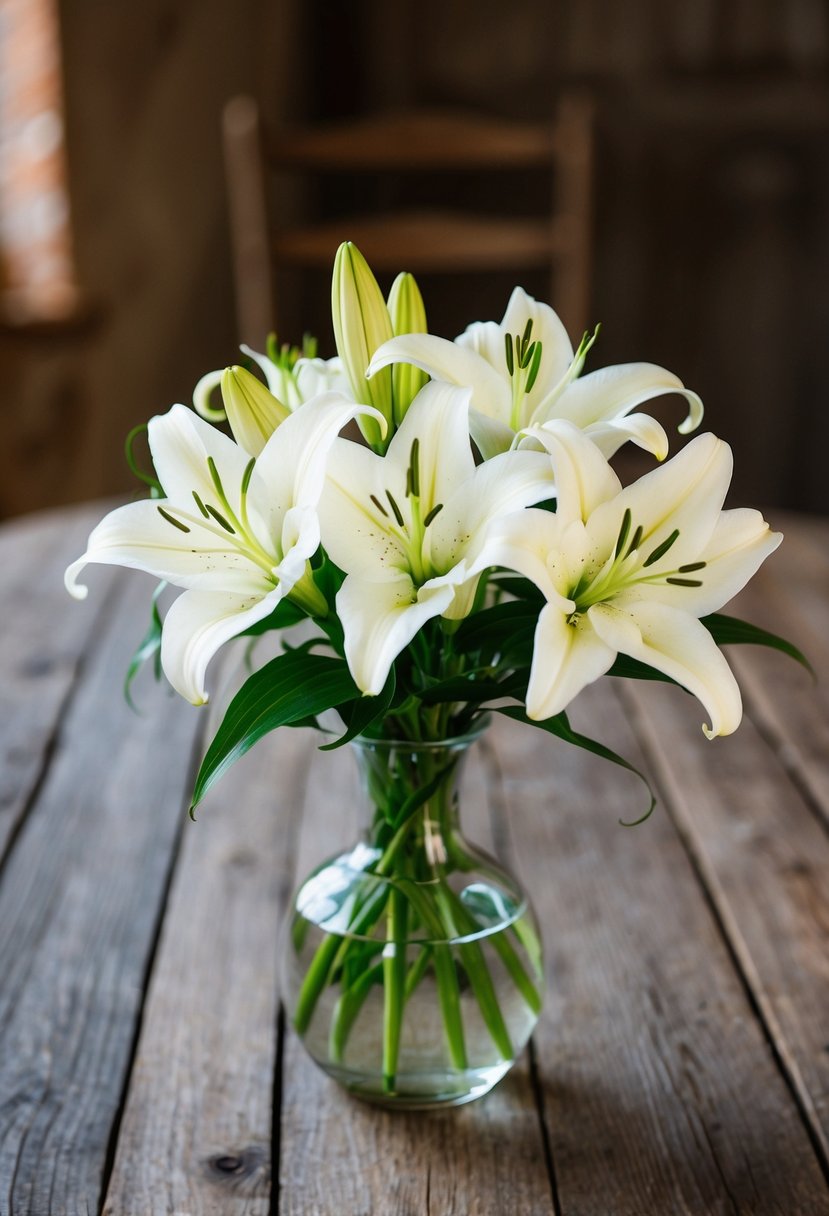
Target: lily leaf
[
  {"x": 149, "y": 648},
  {"x": 494, "y": 627},
  {"x": 464, "y": 688},
  {"x": 726, "y": 630},
  {"x": 635, "y": 669},
  {"x": 289, "y": 688},
  {"x": 559, "y": 726},
  {"x": 360, "y": 712}
]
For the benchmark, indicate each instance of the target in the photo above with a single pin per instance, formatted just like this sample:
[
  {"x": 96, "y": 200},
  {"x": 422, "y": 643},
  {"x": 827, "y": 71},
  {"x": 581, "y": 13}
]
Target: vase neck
[{"x": 412, "y": 789}]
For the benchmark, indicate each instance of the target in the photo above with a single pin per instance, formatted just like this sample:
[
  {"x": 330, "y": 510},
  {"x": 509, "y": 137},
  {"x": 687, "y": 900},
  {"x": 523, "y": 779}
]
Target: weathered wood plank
[
  {"x": 790, "y": 596},
  {"x": 339, "y": 1155},
  {"x": 196, "y": 1132},
  {"x": 764, "y": 857},
  {"x": 41, "y": 653},
  {"x": 660, "y": 1092},
  {"x": 79, "y": 903}
]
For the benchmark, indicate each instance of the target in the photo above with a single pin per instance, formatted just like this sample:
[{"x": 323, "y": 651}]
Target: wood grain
[
  {"x": 764, "y": 857},
  {"x": 660, "y": 1093},
  {"x": 41, "y": 655},
  {"x": 196, "y": 1133},
  {"x": 790, "y": 596},
  {"x": 81, "y": 895}
]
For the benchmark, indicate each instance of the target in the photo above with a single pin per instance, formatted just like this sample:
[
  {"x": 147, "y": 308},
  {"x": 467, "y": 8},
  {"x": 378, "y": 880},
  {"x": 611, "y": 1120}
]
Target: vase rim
[{"x": 427, "y": 745}]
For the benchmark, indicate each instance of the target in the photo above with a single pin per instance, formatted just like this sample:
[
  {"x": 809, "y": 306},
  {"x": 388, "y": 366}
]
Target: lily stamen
[
  {"x": 662, "y": 549},
  {"x": 398, "y": 515},
  {"x": 172, "y": 520}
]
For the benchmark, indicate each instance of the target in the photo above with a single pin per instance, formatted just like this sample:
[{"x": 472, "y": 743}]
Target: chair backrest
[{"x": 432, "y": 144}]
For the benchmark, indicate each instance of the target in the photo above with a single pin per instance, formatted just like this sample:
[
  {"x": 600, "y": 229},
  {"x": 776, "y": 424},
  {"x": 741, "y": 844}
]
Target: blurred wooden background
[{"x": 712, "y": 221}]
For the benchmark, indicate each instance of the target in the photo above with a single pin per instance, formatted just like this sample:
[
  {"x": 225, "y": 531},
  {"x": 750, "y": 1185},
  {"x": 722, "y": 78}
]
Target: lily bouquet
[{"x": 472, "y": 553}]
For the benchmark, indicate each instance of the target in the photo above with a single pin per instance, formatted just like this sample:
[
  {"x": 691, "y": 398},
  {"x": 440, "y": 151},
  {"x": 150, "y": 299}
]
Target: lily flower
[
  {"x": 410, "y": 528},
  {"x": 630, "y": 571},
  {"x": 524, "y": 373},
  {"x": 235, "y": 531}
]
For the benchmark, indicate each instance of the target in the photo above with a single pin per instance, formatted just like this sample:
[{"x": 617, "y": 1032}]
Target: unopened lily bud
[
  {"x": 408, "y": 316},
  {"x": 362, "y": 324},
  {"x": 252, "y": 411}
]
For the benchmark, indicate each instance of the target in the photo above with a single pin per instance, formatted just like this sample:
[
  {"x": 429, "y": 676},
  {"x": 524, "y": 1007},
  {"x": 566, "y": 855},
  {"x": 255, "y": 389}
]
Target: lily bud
[
  {"x": 362, "y": 324},
  {"x": 252, "y": 411},
  {"x": 408, "y": 316}
]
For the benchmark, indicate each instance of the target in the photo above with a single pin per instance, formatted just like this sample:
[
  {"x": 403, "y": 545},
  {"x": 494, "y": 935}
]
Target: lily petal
[
  {"x": 356, "y": 516},
  {"x": 202, "y": 394},
  {"x": 684, "y": 495},
  {"x": 613, "y": 392},
  {"x": 197, "y": 624},
  {"x": 291, "y": 467},
  {"x": 139, "y": 537},
  {"x": 380, "y": 619},
  {"x": 490, "y": 435},
  {"x": 640, "y": 429},
  {"x": 556, "y": 347},
  {"x": 181, "y": 444},
  {"x": 583, "y": 478},
  {"x": 741, "y": 542},
  {"x": 496, "y": 488},
  {"x": 453, "y": 364},
  {"x": 566, "y": 658},
  {"x": 677, "y": 644},
  {"x": 534, "y": 544},
  {"x": 438, "y": 419}
]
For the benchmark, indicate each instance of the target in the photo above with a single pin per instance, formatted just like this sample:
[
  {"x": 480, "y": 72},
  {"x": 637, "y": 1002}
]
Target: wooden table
[{"x": 681, "y": 1064}]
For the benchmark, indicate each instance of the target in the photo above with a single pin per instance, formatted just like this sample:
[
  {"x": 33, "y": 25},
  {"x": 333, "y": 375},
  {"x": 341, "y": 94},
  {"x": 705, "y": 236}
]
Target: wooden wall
[
  {"x": 711, "y": 226},
  {"x": 145, "y": 85}
]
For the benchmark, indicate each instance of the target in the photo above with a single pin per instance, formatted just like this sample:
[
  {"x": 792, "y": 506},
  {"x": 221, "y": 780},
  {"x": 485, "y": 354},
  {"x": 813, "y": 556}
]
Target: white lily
[
  {"x": 524, "y": 373},
  {"x": 235, "y": 531},
  {"x": 630, "y": 571},
  {"x": 410, "y": 528}
]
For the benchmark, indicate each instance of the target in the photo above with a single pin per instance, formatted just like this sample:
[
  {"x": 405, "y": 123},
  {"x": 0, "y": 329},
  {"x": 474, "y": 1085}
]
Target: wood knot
[{"x": 237, "y": 1164}]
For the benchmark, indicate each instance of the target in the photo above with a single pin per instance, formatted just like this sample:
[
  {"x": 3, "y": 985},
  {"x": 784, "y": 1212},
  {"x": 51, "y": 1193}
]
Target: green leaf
[
  {"x": 359, "y": 713},
  {"x": 520, "y": 587},
  {"x": 634, "y": 669},
  {"x": 149, "y": 648},
  {"x": 289, "y": 688},
  {"x": 559, "y": 726},
  {"x": 477, "y": 691},
  {"x": 728, "y": 630},
  {"x": 496, "y": 626}
]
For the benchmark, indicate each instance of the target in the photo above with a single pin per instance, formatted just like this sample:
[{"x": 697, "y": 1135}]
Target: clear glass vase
[{"x": 412, "y": 963}]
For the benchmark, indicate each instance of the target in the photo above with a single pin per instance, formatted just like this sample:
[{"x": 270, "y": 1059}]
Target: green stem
[
  {"x": 417, "y": 970},
  {"x": 347, "y": 1008},
  {"x": 394, "y": 985},
  {"x": 330, "y": 955},
  {"x": 445, "y": 974},
  {"x": 506, "y": 952},
  {"x": 476, "y": 969}
]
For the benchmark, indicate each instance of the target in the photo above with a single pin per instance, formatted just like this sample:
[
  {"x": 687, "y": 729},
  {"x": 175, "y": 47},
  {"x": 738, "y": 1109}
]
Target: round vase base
[{"x": 423, "y": 1091}]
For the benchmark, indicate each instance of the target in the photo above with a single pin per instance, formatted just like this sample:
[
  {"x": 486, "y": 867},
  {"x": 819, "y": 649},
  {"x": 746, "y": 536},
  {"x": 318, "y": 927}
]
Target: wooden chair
[{"x": 432, "y": 143}]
